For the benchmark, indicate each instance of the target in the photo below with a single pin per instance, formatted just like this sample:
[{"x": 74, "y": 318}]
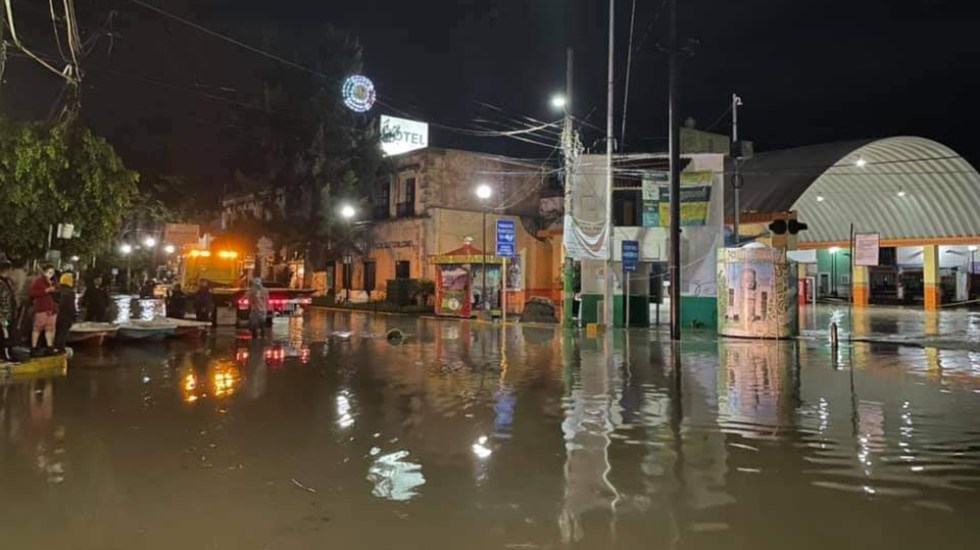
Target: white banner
[{"x": 866, "y": 247}]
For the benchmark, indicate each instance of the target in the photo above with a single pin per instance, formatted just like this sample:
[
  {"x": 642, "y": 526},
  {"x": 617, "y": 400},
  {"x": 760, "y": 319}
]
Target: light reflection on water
[{"x": 517, "y": 438}]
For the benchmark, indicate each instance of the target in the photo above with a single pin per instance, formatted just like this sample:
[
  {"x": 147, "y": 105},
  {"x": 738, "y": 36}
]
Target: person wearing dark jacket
[
  {"x": 8, "y": 310},
  {"x": 95, "y": 302},
  {"x": 67, "y": 312},
  {"x": 177, "y": 303},
  {"x": 204, "y": 302}
]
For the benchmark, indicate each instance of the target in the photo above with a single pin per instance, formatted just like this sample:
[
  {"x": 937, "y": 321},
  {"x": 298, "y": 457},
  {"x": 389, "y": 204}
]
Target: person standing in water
[
  {"x": 95, "y": 302},
  {"x": 42, "y": 292},
  {"x": 8, "y": 310},
  {"x": 204, "y": 302},
  {"x": 67, "y": 312},
  {"x": 258, "y": 307}
]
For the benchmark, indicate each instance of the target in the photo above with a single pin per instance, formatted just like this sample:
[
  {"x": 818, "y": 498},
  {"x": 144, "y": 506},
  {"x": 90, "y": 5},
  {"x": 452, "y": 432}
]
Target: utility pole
[
  {"x": 568, "y": 148},
  {"x": 609, "y": 290},
  {"x": 736, "y": 161},
  {"x": 675, "y": 184}
]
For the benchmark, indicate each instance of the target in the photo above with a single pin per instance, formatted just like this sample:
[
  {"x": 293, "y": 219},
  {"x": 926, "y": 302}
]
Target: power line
[{"x": 229, "y": 39}]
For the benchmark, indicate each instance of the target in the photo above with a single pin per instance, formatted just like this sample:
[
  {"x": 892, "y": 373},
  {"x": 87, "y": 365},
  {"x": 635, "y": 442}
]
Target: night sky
[{"x": 808, "y": 71}]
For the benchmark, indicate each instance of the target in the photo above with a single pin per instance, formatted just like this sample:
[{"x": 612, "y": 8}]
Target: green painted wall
[
  {"x": 700, "y": 311},
  {"x": 639, "y": 310},
  {"x": 825, "y": 265}
]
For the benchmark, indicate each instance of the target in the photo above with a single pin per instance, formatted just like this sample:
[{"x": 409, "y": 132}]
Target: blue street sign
[
  {"x": 631, "y": 255},
  {"x": 506, "y": 238}
]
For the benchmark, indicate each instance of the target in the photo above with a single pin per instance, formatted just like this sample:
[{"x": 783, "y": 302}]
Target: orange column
[
  {"x": 930, "y": 277},
  {"x": 861, "y": 286}
]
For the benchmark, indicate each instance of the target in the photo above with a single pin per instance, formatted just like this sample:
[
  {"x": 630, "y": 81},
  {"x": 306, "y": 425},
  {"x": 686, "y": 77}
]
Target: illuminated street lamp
[
  {"x": 484, "y": 192},
  {"x": 348, "y": 212},
  {"x": 558, "y": 101},
  {"x": 149, "y": 242},
  {"x": 126, "y": 249},
  {"x": 75, "y": 259},
  {"x": 170, "y": 249}
]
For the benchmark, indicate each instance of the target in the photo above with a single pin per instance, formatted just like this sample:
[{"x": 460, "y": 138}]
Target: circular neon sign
[{"x": 359, "y": 94}]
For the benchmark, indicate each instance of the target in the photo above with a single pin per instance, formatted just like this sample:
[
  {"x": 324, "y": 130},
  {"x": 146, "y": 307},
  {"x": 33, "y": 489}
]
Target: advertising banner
[{"x": 695, "y": 198}]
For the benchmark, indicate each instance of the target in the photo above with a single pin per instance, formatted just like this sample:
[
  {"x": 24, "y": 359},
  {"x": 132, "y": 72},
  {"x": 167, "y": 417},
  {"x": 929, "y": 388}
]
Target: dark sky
[{"x": 809, "y": 71}]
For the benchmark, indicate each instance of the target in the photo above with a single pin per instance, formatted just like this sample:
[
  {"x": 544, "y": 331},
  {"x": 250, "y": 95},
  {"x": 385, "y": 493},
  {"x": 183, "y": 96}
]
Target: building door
[
  {"x": 331, "y": 276},
  {"x": 824, "y": 284},
  {"x": 370, "y": 275},
  {"x": 403, "y": 269}
]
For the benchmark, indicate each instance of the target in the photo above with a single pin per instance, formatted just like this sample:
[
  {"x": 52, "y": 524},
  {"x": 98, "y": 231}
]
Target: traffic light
[
  {"x": 795, "y": 227},
  {"x": 780, "y": 227}
]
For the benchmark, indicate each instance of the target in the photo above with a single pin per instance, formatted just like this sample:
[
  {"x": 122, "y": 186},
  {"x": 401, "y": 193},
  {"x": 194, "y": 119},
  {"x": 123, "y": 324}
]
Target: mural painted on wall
[{"x": 756, "y": 294}]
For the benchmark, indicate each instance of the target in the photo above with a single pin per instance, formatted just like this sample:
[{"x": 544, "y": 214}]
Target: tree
[
  {"x": 307, "y": 143},
  {"x": 60, "y": 173}
]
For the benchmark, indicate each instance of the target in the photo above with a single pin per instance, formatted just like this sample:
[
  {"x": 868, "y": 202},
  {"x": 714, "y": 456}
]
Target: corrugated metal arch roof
[{"x": 904, "y": 188}]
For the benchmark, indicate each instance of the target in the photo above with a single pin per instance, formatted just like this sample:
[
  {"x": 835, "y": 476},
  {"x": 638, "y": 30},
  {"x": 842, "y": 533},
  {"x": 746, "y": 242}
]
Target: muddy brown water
[{"x": 325, "y": 435}]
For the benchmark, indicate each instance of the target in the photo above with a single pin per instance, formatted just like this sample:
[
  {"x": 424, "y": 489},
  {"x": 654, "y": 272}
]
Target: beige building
[{"x": 430, "y": 207}]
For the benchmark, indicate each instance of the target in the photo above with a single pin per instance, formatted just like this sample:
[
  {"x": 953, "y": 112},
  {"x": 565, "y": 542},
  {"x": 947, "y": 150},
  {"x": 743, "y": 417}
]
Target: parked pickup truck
[{"x": 283, "y": 302}]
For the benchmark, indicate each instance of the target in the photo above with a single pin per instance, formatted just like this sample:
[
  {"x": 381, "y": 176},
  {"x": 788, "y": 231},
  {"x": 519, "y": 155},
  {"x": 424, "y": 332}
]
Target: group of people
[
  {"x": 46, "y": 311},
  {"x": 202, "y": 301}
]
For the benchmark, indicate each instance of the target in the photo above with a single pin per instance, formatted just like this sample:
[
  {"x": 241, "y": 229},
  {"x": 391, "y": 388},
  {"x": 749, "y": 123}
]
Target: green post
[{"x": 568, "y": 293}]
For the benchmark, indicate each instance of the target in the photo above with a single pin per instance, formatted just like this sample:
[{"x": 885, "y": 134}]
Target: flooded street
[{"x": 475, "y": 436}]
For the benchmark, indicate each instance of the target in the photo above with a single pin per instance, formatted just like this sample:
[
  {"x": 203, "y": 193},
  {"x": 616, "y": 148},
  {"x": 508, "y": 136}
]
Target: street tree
[
  {"x": 60, "y": 173},
  {"x": 304, "y": 141}
]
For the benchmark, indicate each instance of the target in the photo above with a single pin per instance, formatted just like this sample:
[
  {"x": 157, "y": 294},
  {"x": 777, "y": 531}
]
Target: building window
[
  {"x": 379, "y": 210},
  {"x": 403, "y": 269},
  {"x": 628, "y": 208},
  {"x": 406, "y": 208},
  {"x": 370, "y": 274}
]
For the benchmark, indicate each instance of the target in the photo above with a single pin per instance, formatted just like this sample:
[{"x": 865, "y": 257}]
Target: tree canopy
[
  {"x": 303, "y": 140},
  {"x": 60, "y": 173}
]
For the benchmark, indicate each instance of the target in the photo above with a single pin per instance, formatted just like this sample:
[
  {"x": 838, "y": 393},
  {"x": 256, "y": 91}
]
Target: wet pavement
[
  {"x": 946, "y": 329},
  {"x": 471, "y": 435}
]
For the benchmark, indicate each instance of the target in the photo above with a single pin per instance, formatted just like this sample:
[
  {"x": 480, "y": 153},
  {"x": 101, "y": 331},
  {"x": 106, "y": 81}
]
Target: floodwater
[{"x": 325, "y": 435}]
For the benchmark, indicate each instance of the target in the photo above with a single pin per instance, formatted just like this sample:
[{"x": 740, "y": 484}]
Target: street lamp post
[
  {"x": 484, "y": 192},
  {"x": 973, "y": 259},
  {"x": 126, "y": 250},
  {"x": 348, "y": 212}
]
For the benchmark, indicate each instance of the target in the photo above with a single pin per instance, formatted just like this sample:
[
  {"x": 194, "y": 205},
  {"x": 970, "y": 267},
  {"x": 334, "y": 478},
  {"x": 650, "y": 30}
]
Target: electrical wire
[
  {"x": 382, "y": 100},
  {"x": 27, "y": 51},
  {"x": 57, "y": 33},
  {"x": 229, "y": 39}
]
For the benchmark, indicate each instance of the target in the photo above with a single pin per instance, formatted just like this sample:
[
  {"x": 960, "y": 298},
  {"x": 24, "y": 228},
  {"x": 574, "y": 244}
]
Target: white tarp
[{"x": 585, "y": 224}]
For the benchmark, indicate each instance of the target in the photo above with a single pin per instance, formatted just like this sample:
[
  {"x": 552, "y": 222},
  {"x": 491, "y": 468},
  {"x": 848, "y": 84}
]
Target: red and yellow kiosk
[{"x": 459, "y": 281}]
